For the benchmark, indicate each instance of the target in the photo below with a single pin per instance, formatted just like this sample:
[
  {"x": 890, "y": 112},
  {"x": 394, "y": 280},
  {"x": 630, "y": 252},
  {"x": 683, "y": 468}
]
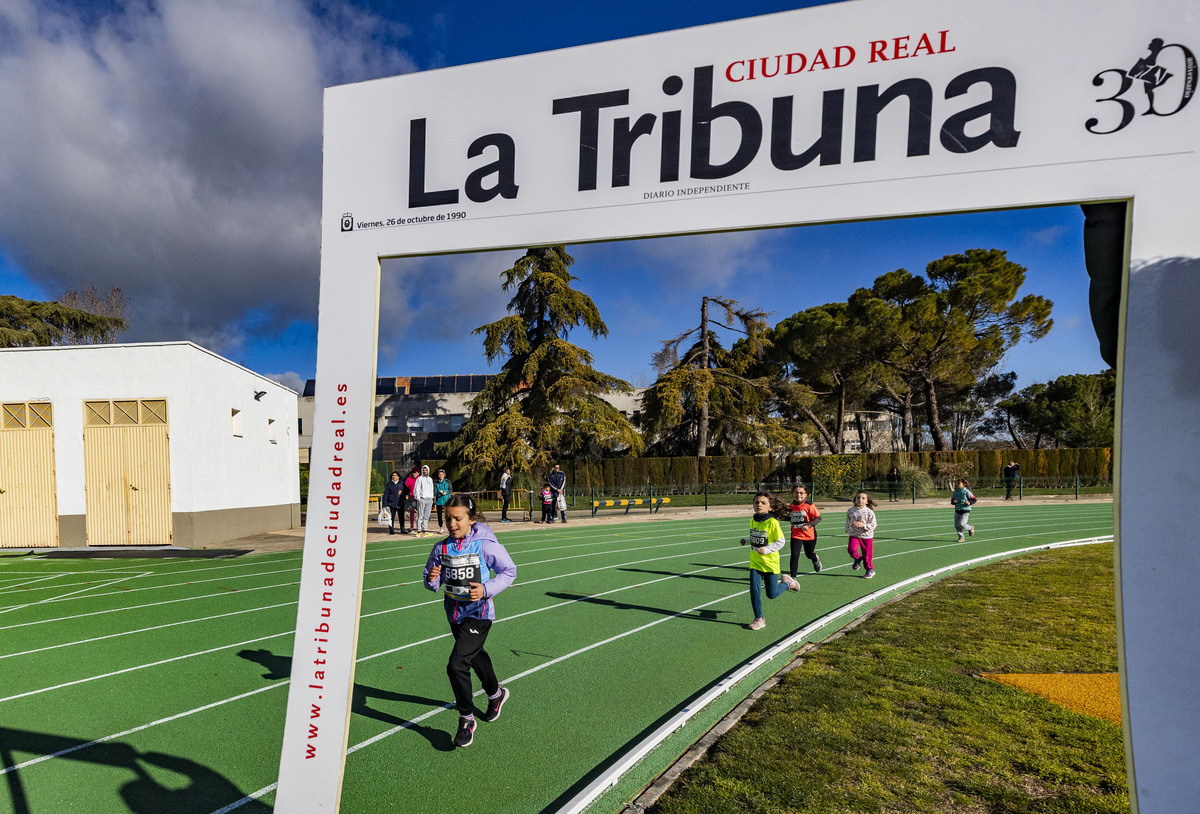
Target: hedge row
[{"x": 1091, "y": 466}]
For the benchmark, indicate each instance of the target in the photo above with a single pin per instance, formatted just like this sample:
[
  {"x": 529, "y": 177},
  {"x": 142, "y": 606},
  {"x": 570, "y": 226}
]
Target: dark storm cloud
[{"x": 173, "y": 150}]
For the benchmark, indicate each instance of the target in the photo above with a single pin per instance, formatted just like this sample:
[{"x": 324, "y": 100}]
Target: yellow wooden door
[
  {"x": 28, "y": 500},
  {"x": 127, "y": 472}
]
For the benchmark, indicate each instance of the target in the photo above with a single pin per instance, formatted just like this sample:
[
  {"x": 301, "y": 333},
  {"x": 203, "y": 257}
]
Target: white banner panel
[{"x": 852, "y": 111}]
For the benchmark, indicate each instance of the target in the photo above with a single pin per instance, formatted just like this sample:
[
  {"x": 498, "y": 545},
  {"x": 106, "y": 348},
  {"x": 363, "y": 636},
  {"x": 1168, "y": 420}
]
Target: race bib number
[
  {"x": 458, "y": 572},
  {"x": 758, "y": 538},
  {"x": 799, "y": 518}
]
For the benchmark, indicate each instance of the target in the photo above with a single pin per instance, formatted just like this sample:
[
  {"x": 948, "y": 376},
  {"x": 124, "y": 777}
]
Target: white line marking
[{"x": 634, "y": 755}]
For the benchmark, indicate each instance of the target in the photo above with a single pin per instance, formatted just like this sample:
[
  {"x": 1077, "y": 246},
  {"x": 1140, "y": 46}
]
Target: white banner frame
[{"x": 1018, "y": 105}]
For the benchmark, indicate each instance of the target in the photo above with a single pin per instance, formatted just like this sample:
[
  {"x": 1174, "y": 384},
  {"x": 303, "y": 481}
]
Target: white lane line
[
  {"x": 417, "y": 555},
  {"x": 290, "y": 632},
  {"x": 72, "y": 593},
  {"x": 634, "y": 755},
  {"x": 116, "y": 735},
  {"x": 289, "y": 584},
  {"x": 147, "y": 629},
  {"x": 284, "y": 682},
  {"x": 719, "y": 689},
  {"x": 144, "y": 666},
  {"x": 361, "y": 745}
]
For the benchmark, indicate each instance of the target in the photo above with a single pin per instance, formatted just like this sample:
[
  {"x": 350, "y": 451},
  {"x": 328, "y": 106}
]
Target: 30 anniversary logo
[{"x": 1166, "y": 77}]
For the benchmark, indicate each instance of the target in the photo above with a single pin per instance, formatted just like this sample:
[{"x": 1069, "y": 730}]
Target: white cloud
[
  {"x": 291, "y": 379},
  {"x": 173, "y": 149},
  {"x": 707, "y": 261}
]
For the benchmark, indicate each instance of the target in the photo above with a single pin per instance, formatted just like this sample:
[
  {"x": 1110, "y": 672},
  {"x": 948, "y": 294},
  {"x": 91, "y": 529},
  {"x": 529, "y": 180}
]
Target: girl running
[
  {"x": 765, "y": 540},
  {"x": 962, "y": 499},
  {"x": 472, "y": 567},
  {"x": 805, "y": 517},
  {"x": 860, "y": 527}
]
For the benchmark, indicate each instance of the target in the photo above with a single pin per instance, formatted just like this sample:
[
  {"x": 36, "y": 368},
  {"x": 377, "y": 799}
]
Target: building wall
[
  {"x": 223, "y": 485},
  {"x": 391, "y": 439}
]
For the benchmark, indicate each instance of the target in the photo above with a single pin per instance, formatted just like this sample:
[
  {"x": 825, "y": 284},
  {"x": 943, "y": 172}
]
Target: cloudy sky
[{"x": 173, "y": 149}]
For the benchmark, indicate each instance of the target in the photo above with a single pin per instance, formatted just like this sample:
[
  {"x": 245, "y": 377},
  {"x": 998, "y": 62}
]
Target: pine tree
[
  {"x": 29, "y": 323},
  {"x": 547, "y": 400}
]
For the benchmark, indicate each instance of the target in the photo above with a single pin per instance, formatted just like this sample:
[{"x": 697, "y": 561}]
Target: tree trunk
[
  {"x": 931, "y": 415},
  {"x": 826, "y": 435},
  {"x": 702, "y": 425}
]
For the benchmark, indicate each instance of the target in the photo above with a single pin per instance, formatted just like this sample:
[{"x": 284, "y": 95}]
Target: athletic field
[{"x": 159, "y": 685}]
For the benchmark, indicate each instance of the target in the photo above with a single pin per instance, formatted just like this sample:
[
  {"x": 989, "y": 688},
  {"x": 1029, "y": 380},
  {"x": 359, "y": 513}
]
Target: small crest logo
[
  {"x": 347, "y": 222},
  {"x": 1166, "y": 77}
]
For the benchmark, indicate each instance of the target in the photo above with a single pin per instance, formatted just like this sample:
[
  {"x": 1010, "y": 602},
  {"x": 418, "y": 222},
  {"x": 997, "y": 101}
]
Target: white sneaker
[
  {"x": 970, "y": 531},
  {"x": 758, "y": 624},
  {"x": 961, "y": 538},
  {"x": 790, "y": 581},
  {"x": 870, "y": 573}
]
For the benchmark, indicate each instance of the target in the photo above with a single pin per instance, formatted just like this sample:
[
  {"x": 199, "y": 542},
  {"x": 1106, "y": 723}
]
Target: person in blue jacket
[
  {"x": 471, "y": 567},
  {"x": 441, "y": 493}
]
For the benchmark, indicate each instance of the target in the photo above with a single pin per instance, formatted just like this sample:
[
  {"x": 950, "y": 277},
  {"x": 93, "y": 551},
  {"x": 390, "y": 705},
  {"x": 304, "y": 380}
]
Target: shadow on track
[
  {"x": 280, "y": 667},
  {"x": 702, "y": 615},
  {"x": 205, "y": 790}
]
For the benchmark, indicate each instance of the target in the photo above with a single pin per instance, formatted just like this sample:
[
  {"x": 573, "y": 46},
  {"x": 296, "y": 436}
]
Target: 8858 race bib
[{"x": 458, "y": 572}]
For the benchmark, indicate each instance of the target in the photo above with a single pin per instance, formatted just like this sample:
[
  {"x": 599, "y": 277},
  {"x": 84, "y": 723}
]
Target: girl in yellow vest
[{"x": 765, "y": 540}]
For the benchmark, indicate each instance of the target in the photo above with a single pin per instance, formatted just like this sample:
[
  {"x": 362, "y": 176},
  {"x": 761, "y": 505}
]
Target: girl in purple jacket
[{"x": 471, "y": 567}]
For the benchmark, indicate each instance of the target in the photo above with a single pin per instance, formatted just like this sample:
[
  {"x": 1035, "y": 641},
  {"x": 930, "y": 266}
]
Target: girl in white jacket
[{"x": 860, "y": 527}]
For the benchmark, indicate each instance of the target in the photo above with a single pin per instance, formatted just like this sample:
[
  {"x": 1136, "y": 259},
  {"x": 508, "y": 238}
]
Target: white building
[
  {"x": 142, "y": 444},
  {"x": 412, "y": 413}
]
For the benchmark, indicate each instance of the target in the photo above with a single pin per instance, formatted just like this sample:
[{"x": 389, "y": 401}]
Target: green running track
[{"x": 159, "y": 685}]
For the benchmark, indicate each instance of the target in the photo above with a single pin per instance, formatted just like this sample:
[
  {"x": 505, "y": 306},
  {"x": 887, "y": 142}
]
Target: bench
[{"x": 654, "y": 503}]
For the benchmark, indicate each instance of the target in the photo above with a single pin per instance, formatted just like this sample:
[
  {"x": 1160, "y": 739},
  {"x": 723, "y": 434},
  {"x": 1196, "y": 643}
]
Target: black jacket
[{"x": 393, "y": 494}]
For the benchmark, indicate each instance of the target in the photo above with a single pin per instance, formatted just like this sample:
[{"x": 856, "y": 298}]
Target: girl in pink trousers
[{"x": 860, "y": 527}]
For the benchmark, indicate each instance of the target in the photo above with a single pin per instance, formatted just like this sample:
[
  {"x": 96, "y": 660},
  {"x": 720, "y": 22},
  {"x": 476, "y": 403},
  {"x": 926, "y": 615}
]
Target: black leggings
[
  {"x": 810, "y": 551},
  {"x": 468, "y": 654}
]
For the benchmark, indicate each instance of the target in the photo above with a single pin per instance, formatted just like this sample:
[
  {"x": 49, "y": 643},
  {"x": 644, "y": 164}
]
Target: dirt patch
[{"x": 1095, "y": 694}]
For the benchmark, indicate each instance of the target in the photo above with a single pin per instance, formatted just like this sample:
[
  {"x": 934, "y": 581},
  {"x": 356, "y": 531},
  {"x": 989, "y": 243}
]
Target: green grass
[{"x": 889, "y": 718}]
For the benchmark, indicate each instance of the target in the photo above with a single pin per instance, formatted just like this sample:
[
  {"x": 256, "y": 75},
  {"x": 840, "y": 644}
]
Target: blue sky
[{"x": 173, "y": 150}]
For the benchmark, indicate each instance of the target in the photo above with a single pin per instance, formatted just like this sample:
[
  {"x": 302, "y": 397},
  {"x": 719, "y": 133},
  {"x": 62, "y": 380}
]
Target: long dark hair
[{"x": 778, "y": 507}]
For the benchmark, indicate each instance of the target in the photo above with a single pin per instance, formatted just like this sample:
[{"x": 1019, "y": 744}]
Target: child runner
[
  {"x": 860, "y": 527},
  {"x": 805, "y": 517},
  {"x": 475, "y": 568},
  {"x": 962, "y": 500},
  {"x": 547, "y": 503},
  {"x": 766, "y": 538}
]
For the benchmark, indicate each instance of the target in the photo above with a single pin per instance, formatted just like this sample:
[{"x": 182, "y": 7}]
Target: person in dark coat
[
  {"x": 893, "y": 481},
  {"x": 1012, "y": 473},
  {"x": 393, "y": 501}
]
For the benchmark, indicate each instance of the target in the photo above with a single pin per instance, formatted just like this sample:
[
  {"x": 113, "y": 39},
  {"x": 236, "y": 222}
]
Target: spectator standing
[
  {"x": 558, "y": 483},
  {"x": 893, "y": 482},
  {"x": 393, "y": 501},
  {"x": 505, "y": 493},
  {"x": 441, "y": 493},
  {"x": 1012, "y": 474},
  {"x": 423, "y": 492},
  {"x": 410, "y": 502}
]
